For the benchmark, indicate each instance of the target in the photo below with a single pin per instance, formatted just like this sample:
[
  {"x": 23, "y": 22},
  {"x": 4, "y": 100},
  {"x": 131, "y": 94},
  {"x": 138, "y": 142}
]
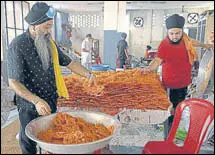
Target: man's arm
[
  {"x": 146, "y": 54},
  {"x": 16, "y": 76},
  {"x": 21, "y": 90},
  {"x": 77, "y": 68},
  {"x": 153, "y": 65},
  {"x": 126, "y": 52},
  {"x": 196, "y": 43},
  {"x": 126, "y": 49},
  {"x": 117, "y": 55},
  {"x": 41, "y": 105}
]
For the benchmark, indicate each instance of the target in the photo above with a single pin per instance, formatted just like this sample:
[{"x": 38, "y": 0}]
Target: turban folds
[
  {"x": 175, "y": 21},
  {"x": 39, "y": 14}
]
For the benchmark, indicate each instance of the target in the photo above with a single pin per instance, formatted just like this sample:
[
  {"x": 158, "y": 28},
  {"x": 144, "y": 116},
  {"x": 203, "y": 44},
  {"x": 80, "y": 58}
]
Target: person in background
[
  {"x": 86, "y": 51},
  {"x": 34, "y": 60},
  {"x": 148, "y": 49},
  {"x": 149, "y": 54},
  {"x": 176, "y": 54},
  {"x": 122, "y": 51},
  {"x": 69, "y": 38}
]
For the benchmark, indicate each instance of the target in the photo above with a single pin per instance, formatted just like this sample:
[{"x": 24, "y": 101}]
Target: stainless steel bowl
[{"x": 43, "y": 123}]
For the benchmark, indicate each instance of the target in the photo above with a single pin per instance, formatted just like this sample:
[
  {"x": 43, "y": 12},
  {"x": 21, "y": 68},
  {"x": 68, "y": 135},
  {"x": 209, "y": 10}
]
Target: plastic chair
[{"x": 201, "y": 116}]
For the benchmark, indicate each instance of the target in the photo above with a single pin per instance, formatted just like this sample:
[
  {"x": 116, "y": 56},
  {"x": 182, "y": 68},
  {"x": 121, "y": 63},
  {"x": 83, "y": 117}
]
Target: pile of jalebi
[
  {"x": 66, "y": 129},
  {"x": 116, "y": 90}
]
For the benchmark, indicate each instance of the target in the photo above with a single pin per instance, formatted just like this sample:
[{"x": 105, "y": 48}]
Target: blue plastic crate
[{"x": 100, "y": 67}]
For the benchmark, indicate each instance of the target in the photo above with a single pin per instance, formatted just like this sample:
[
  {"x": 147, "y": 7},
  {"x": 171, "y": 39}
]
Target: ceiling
[{"x": 131, "y": 5}]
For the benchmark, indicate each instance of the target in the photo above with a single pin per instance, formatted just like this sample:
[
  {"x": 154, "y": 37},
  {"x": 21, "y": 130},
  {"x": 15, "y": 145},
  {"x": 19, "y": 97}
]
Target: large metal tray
[
  {"x": 43, "y": 123},
  {"x": 204, "y": 74}
]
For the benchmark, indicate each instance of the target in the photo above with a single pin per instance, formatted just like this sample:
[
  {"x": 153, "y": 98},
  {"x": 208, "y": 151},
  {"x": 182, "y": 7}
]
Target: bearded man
[
  {"x": 176, "y": 54},
  {"x": 34, "y": 71}
]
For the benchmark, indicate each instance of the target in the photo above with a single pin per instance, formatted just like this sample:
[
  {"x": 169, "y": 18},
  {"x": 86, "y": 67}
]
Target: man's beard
[
  {"x": 43, "y": 47},
  {"x": 175, "y": 42}
]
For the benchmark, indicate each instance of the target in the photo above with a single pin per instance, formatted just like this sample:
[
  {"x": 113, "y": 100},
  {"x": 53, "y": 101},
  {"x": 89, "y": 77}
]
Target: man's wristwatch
[{"x": 36, "y": 100}]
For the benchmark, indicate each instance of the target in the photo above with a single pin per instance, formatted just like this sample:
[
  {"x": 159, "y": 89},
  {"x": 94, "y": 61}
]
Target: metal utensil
[
  {"x": 204, "y": 74},
  {"x": 43, "y": 123}
]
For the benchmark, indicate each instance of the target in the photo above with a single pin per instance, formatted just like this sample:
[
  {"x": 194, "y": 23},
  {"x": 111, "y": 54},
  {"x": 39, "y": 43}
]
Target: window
[
  {"x": 26, "y": 8},
  {"x": 153, "y": 20},
  {"x": 18, "y": 14},
  {"x": 164, "y": 19},
  {"x": 10, "y": 35},
  {"x": 192, "y": 32},
  {"x": 15, "y": 12},
  {"x": 1, "y": 48},
  {"x": 84, "y": 20}
]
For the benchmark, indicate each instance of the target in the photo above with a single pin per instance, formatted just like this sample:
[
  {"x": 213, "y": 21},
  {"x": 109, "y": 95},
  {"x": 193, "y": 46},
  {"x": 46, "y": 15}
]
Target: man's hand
[
  {"x": 117, "y": 58},
  {"x": 92, "y": 80},
  {"x": 128, "y": 61},
  {"x": 43, "y": 108},
  {"x": 154, "y": 64},
  {"x": 209, "y": 46}
]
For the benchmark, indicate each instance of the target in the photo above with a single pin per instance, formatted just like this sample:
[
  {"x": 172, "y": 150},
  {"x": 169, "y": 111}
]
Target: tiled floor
[{"x": 6, "y": 104}]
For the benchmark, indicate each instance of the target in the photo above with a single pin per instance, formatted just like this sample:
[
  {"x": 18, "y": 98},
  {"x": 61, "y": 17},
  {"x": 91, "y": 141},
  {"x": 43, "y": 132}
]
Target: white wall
[
  {"x": 153, "y": 35},
  {"x": 78, "y": 34},
  {"x": 157, "y": 29},
  {"x": 139, "y": 37}
]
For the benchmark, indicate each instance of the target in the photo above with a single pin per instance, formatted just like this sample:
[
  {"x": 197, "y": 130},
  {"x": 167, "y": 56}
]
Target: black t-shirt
[
  {"x": 25, "y": 66},
  {"x": 122, "y": 45}
]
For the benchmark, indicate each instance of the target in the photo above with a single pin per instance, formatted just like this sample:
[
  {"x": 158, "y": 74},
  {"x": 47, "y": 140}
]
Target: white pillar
[
  {"x": 110, "y": 15},
  {"x": 115, "y": 15},
  {"x": 122, "y": 23},
  {"x": 114, "y": 24}
]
